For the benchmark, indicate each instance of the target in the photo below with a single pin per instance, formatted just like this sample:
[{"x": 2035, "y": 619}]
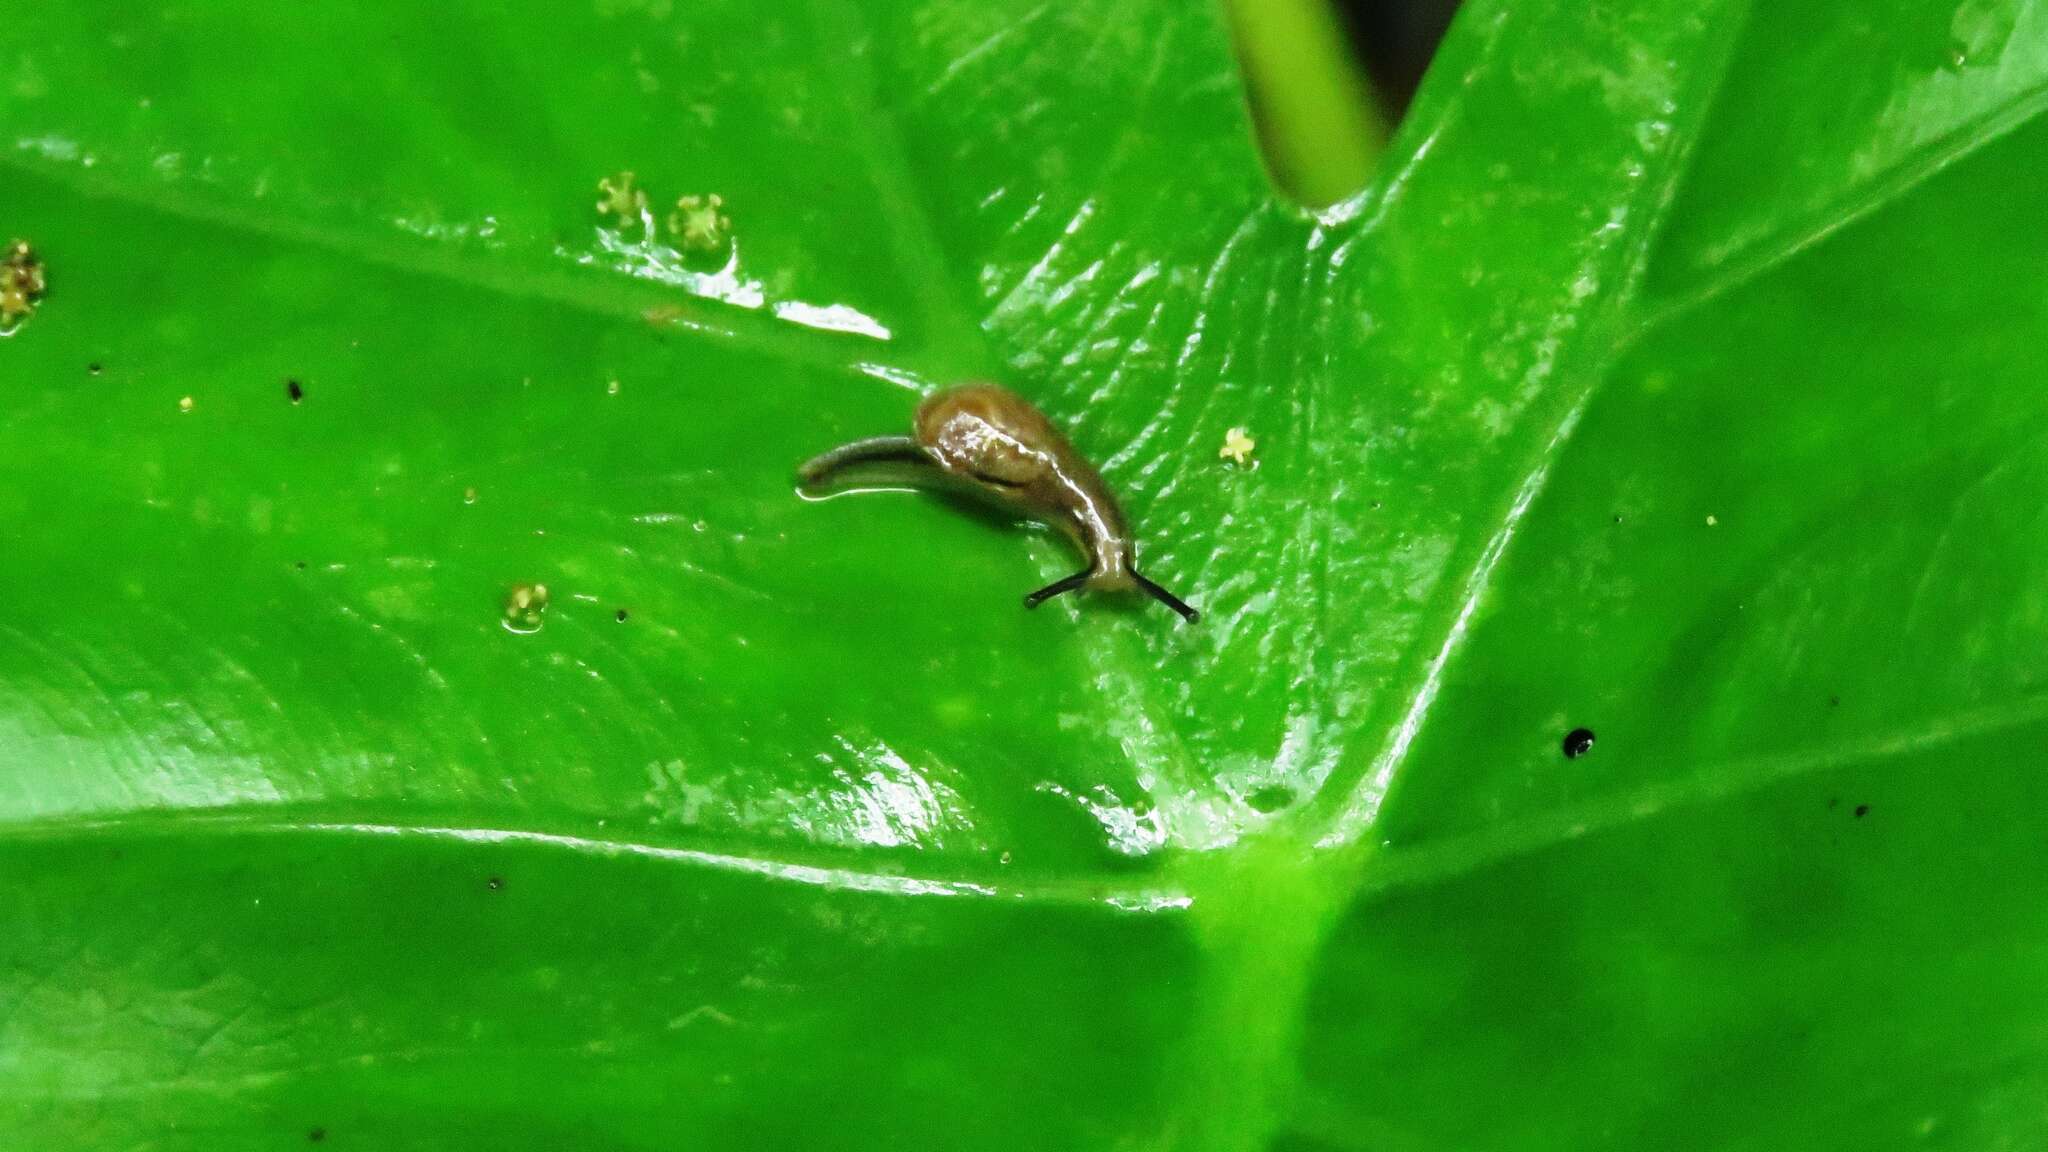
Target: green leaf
[{"x": 1673, "y": 379}]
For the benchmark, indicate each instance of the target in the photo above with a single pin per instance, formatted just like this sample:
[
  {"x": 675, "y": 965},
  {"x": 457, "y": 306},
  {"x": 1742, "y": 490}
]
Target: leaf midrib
[{"x": 821, "y": 870}]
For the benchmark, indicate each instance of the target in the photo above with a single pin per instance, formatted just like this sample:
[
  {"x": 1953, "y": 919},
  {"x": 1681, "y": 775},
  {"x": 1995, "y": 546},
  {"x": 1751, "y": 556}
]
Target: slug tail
[{"x": 880, "y": 460}]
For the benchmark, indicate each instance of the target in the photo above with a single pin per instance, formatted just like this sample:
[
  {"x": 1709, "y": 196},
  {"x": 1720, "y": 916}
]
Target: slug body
[{"x": 986, "y": 440}]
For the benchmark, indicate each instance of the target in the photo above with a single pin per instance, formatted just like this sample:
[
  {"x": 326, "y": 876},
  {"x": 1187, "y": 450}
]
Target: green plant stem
[{"x": 1317, "y": 121}]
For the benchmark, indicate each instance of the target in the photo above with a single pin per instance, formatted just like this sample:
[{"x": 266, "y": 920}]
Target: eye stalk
[{"x": 987, "y": 441}]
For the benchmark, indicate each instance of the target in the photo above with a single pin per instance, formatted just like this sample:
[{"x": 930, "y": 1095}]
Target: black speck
[
  {"x": 292, "y": 389},
  {"x": 1862, "y": 810},
  {"x": 621, "y": 617},
  {"x": 1577, "y": 743},
  {"x": 1617, "y": 517},
  {"x": 1834, "y": 701},
  {"x": 93, "y": 368},
  {"x": 317, "y": 1135},
  {"x": 495, "y": 883},
  {"x": 1271, "y": 798}
]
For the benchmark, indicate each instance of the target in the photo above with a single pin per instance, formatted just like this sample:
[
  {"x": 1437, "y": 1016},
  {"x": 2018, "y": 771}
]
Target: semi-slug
[{"x": 986, "y": 440}]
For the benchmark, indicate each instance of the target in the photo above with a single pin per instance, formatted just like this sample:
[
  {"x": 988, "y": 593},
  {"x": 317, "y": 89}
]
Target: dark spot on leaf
[
  {"x": 495, "y": 883},
  {"x": 1271, "y": 798},
  {"x": 1862, "y": 810},
  {"x": 317, "y": 1135},
  {"x": 621, "y": 617},
  {"x": 292, "y": 389},
  {"x": 1577, "y": 743},
  {"x": 301, "y": 565}
]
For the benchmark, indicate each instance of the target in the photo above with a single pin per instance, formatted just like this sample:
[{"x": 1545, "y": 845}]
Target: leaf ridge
[{"x": 1759, "y": 257}]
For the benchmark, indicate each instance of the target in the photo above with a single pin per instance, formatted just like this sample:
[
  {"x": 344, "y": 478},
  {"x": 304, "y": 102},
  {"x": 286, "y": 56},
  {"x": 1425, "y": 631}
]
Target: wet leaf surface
[{"x": 1673, "y": 380}]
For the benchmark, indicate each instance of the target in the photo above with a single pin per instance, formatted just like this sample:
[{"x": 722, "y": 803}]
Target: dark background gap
[{"x": 1395, "y": 39}]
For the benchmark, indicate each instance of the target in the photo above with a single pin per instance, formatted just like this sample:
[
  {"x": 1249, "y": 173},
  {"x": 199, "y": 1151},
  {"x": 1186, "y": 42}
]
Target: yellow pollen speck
[
  {"x": 185, "y": 404},
  {"x": 1711, "y": 521},
  {"x": 621, "y": 199},
  {"x": 524, "y": 606},
  {"x": 21, "y": 285},
  {"x": 1237, "y": 447},
  {"x": 700, "y": 225}
]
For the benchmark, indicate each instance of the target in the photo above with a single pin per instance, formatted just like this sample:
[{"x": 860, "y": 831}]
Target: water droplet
[
  {"x": 524, "y": 607},
  {"x": 1577, "y": 743},
  {"x": 469, "y": 495},
  {"x": 93, "y": 368}
]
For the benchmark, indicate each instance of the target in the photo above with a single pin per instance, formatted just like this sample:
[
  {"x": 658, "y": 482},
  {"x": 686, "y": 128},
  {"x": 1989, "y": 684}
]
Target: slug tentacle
[
  {"x": 1057, "y": 587},
  {"x": 1167, "y": 598},
  {"x": 986, "y": 440}
]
